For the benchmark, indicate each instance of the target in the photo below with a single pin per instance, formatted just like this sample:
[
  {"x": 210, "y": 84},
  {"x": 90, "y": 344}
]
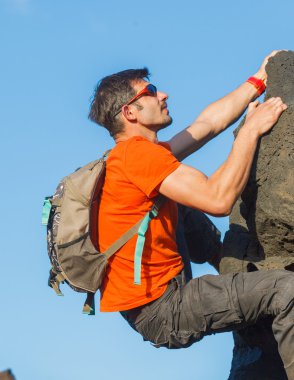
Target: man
[{"x": 165, "y": 308}]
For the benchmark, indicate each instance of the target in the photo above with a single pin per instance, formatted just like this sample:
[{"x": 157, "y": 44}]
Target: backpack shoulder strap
[
  {"x": 139, "y": 228},
  {"x": 141, "y": 237},
  {"x": 95, "y": 200},
  {"x": 135, "y": 229}
]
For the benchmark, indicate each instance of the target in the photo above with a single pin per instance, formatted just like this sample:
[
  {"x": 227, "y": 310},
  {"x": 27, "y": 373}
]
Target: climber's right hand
[{"x": 262, "y": 117}]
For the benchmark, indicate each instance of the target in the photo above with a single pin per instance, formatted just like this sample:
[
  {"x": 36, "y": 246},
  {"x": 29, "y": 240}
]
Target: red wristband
[{"x": 258, "y": 84}]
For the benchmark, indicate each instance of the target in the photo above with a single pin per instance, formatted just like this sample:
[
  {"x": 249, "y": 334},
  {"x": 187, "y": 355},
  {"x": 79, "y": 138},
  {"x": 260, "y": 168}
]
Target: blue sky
[{"x": 52, "y": 55}]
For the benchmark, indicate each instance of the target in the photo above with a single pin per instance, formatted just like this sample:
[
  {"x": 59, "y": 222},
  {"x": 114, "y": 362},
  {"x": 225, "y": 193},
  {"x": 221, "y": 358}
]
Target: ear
[{"x": 129, "y": 112}]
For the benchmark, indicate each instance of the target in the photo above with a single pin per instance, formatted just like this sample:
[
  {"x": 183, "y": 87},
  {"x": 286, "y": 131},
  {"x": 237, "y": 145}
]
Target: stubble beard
[{"x": 164, "y": 124}]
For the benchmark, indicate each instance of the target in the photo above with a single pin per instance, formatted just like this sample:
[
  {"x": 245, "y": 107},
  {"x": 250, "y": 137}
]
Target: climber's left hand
[{"x": 261, "y": 73}]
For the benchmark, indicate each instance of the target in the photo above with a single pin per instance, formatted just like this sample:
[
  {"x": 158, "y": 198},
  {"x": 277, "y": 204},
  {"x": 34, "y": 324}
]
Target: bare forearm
[
  {"x": 213, "y": 120},
  {"x": 225, "y": 111},
  {"x": 230, "y": 179}
]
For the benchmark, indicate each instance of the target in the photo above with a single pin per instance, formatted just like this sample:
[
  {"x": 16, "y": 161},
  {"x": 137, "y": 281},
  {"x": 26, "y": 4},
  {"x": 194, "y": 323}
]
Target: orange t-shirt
[{"x": 134, "y": 170}]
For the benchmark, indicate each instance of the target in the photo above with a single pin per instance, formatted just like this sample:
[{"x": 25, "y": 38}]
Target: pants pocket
[
  {"x": 186, "y": 323},
  {"x": 153, "y": 329},
  {"x": 217, "y": 301}
]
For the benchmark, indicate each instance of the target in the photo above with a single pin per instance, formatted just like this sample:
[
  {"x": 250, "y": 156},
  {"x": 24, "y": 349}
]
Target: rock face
[
  {"x": 7, "y": 375},
  {"x": 261, "y": 234}
]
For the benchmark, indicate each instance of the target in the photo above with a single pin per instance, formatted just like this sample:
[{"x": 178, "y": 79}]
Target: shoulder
[
  {"x": 144, "y": 163},
  {"x": 165, "y": 145}
]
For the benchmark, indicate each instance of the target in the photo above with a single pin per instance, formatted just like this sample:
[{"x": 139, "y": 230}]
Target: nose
[{"x": 162, "y": 95}]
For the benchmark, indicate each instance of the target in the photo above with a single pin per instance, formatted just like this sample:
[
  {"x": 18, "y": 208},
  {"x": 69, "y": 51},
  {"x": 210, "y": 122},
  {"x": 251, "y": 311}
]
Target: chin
[{"x": 165, "y": 123}]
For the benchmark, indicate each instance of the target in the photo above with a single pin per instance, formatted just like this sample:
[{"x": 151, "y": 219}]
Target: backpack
[{"x": 71, "y": 216}]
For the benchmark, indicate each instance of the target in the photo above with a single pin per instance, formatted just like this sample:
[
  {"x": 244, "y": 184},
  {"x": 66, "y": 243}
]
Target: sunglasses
[{"x": 149, "y": 90}]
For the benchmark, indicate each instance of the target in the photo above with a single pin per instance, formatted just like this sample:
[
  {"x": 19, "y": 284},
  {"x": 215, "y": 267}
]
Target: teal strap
[
  {"x": 46, "y": 211},
  {"x": 89, "y": 305},
  {"x": 140, "y": 244}
]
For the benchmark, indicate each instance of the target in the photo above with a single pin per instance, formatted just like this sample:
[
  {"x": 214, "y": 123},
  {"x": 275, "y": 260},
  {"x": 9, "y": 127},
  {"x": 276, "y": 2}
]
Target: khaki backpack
[{"x": 71, "y": 216}]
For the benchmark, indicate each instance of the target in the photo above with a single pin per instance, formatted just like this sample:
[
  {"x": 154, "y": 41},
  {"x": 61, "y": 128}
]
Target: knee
[{"x": 285, "y": 287}]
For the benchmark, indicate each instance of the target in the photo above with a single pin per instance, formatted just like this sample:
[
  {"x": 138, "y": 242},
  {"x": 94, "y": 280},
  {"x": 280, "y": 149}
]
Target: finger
[
  {"x": 253, "y": 105},
  {"x": 277, "y": 101},
  {"x": 282, "y": 106},
  {"x": 274, "y": 101},
  {"x": 271, "y": 100},
  {"x": 280, "y": 109},
  {"x": 273, "y": 53}
]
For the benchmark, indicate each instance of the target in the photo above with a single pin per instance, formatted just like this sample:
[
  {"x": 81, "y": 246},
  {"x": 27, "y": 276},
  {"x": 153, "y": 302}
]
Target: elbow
[
  {"x": 226, "y": 206},
  {"x": 227, "y": 211},
  {"x": 222, "y": 208}
]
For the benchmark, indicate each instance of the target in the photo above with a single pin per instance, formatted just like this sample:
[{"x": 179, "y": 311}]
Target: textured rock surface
[
  {"x": 261, "y": 231},
  {"x": 7, "y": 375}
]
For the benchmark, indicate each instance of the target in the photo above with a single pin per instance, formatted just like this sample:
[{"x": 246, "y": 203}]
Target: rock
[
  {"x": 7, "y": 375},
  {"x": 198, "y": 239},
  {"x": 255, "y": 364},
  {"x": 261, "y": 233}
]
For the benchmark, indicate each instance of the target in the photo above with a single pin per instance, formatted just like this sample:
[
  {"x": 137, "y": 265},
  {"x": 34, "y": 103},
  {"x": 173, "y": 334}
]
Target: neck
[{"x": 138, "y": 131}]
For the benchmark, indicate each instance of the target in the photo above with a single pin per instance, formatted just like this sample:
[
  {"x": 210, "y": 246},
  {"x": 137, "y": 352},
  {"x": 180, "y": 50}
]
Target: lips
[{"x": 165, "y": 108}]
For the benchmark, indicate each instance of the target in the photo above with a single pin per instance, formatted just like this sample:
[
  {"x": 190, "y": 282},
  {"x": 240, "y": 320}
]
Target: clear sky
[{"x": 52, "y": 55}]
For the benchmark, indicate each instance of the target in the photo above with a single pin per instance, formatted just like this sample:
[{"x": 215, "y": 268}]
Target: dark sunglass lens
[{"x": 152, "y": 89}]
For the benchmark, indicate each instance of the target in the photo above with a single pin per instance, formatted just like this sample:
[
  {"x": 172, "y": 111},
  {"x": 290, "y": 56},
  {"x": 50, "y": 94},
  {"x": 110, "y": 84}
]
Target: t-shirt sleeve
[{"x": 148, "y": 164}]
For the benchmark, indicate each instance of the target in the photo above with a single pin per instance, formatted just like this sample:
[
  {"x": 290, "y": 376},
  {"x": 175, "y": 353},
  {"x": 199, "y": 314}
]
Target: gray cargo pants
[{"x": 187, "y": 311}]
